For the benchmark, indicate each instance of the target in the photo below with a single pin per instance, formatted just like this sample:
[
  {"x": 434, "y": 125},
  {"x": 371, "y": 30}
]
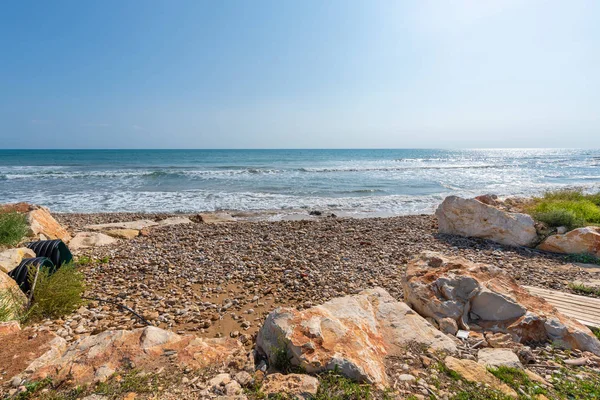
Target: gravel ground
[{"x": 223, "y": 279}]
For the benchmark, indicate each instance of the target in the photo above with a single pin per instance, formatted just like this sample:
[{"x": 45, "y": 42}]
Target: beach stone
[
  {"x": 136, "y": 225},
  {"x": 11, "y": 258},
  {"x": 90, "y": 239},
  {"x": 43, "y": 225},
  {"x": 491, "y": 357},
  {"x": 472, "y": 218},
  {"x": 13, "y": 298},
  {"x": 354, "y": 333},
  {"x": 123, "y": 233},
  {"x": 474, "y": 372},
  {"x": 441, "y": 287},
  {"x": 215, "y": 218},
  {"x": 299, "y": 386},
  {"x": 174, "y": 221},
  {"x": 90, "y": 358},
  {"x": 578, "y": 241}
]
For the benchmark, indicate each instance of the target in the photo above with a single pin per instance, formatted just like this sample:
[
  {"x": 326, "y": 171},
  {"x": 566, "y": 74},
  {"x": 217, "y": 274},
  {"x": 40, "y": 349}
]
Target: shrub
[
  {"x": 58, "y": 294},
  {"x": 570, "y": 208},
  {"x": 13, "y": 227},
  {"x": 557, "y": 218}
]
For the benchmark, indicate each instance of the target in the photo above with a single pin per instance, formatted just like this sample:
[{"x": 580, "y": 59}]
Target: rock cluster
[{"x": 481, "y": 297}]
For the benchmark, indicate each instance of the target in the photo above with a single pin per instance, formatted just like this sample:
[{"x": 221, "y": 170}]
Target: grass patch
[
  {"x": 33, "y": 388},
  {"x": 583, "y": 258},
  {"x": 581, "y": 288},
  {"x": 130, "y": 381},
  {"x": 518, "y": 380},
  {"x": 283, "y": 362},
  {"x": 13, "y": 227},
  {"x": 570, "y": 208},
  {"x": 569, "y": 387},
  {"x": 58, "y": 294},
  {"x": 336, "y": 387},
  {"x": 440, "y": 366},
  {"x": 11, "y": 307}
]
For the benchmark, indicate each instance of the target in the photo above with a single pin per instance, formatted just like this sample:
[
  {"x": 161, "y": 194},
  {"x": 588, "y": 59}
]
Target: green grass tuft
[
  {"x": 11, "y": 306},
  {"x": 336, "y": 387},
  {"x": 570, "y": 208},
  {"x": 518, "y": 380},
  {"x": 58, "y": 294},
  {"x": 581, "y": 288},
  {"x": 13, "y": 227}
]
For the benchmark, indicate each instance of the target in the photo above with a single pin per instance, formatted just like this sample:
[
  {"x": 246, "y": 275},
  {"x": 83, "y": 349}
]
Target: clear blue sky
[{"x": 286, "y": 74}]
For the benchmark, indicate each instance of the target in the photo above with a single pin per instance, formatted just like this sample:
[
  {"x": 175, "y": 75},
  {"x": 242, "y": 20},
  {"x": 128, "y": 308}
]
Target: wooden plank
[{"x": 584, "y": 309}]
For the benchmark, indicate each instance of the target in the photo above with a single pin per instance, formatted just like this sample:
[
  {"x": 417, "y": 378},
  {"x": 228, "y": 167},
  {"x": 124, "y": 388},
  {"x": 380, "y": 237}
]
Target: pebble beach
[{"x": 223, "y": 279}]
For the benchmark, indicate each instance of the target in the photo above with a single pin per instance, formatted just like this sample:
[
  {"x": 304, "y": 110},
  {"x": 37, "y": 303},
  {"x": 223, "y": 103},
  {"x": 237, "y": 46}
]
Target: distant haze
[{"x": 299, "y": 74}]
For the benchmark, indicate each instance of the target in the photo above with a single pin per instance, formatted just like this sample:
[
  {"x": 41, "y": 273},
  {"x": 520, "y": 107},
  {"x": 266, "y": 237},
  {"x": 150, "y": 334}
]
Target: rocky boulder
[
  {"x": 354, "y": 333},
  {"x": 137, "y": 225},
  {"x": 123, "y": 233},
  {"x": 90, "y": 239},
  {"x": 472, "y": 218},
  {"x": 41, "y": 223},
  {"x": 482, "y": 297},
  {"x": 95, "y": 358},
  {"x": 12, "y": 299},
  {"x": 11, "y": 258},
  {"x": 578, "y": 241}
]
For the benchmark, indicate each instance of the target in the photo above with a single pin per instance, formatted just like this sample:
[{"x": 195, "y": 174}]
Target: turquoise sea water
[{"x": 358, "y": 181}]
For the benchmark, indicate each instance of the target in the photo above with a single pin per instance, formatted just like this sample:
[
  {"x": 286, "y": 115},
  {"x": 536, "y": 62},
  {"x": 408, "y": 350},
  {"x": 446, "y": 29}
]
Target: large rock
[
  {"x": 11, "y": 258},
  {"x": 472, "y": 218},
  {"x": 41, "y": 223},
  {"x": 95, "y": 358},
  {"x": 174, "y": 221},
  {"x": 298, "y": 386},
  {"x": 581, "y": 240},
  {"x": 123, "y": 233},
  {"x": 12, "y": 299},
  {"x": 481, "y": 296},
  {"x": 137, "y": 225},
  {"x": 491, "y": 357},
  {"x": 354, "y": 333},
  {"x": 474, "y": 372},
  {"x": 90, "y": 239}
]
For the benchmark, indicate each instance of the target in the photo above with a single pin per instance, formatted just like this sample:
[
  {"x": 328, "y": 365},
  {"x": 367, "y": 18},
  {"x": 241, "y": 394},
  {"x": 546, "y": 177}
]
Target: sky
[{"x": 299, "y": 74}]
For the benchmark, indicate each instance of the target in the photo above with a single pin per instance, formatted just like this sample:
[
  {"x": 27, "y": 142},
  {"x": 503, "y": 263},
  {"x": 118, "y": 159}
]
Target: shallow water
[{"x": 388, "y": 182}]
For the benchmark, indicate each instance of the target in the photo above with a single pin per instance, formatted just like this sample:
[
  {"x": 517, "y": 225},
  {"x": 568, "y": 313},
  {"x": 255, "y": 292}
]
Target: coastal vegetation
[
  {"x": 571, "y": 208},
  {"x": 13, "y": 227},
  {"x": 57, "y": 294}
]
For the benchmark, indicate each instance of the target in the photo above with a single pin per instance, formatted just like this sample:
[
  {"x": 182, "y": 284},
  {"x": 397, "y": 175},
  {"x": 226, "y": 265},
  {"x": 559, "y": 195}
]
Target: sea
[{"x": 351, "y": 182}]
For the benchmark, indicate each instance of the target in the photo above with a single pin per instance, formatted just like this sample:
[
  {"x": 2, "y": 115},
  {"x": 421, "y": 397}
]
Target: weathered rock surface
[
  {"x": 22, "y": 351},
  {"x": 11, "y": 258},
  {"x": 13, "y": 299},
  {"x": 43, "y": 225},
  {"x": 90, "y": 239},
  {"x": 123, "y": 233},
  {"x": 298, "y": 386},
  {"x": 494, "y": 358},
  {"x": 354, "y": 333},
  {"x": 9, "y": 327},
  {"x": 582, "y": 240},
  {"x": 482, "y": 296},
  {"x": 474, "y": 372},
  {"x": 137, "y": 225},
  {"x": 95, "y": 358},
  {"x": 472, "y": 218}
]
